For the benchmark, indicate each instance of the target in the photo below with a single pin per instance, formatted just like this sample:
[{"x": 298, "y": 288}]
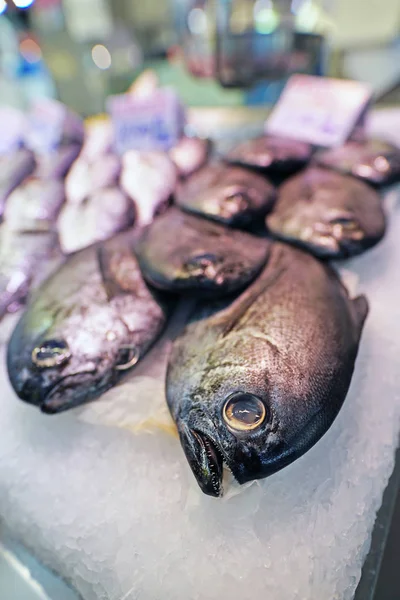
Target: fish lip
[
  {"x": 205, "y": 459},
  {"x": 49, "y": 408}
]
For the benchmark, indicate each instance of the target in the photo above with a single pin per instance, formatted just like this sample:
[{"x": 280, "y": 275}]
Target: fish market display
[
  {"x": 56, "y": 164},
  {"x": 375, "y": 161},
  {"x": 35, "y": 204},
  {"x": 149, "y": 179},
  {"x": 25, "y": 257},
  {"x": 89, "y": 176},
  {"x": 278, "y": 156},
  {"x": 256, "y": 385},
  {"x": 14, "y": 167},
  {"x": 230, "y": 195},
  {"x": 189, "y": 154},
  {"x": 181, "y": 252},
  {"x": 84, "y": 328},
  {"x": 98, "y": 217},
  {"x": 332, "y": 215}
]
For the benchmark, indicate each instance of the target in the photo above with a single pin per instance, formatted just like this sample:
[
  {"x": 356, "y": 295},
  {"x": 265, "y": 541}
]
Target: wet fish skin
[
  {"x": 374, "y": 161},
  {"x": 13, "y": 170},
  {"x": 35, "y": 205},
  {"x": 271, "y": 154},
  {"x": 84, "y": 327},
  {"x": 56, "y": 164},
  {"x": 329, "y": 214},
  {"x": 229, "y": 195},
  {"x": 24, "y": 258},
  {"x": 286, "y": 348},
  {"x": 179, "y": 252},
  {"x": 189, "y": 154},
  {"x": 101, "y": 215}
]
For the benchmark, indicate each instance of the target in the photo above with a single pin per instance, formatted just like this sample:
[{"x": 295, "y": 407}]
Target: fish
[
  {"x": 101, "y": 215},
  {"x": 255, "y": 384},
  {"x": 179, "y": 252},
  {"x": 149, "y": 179},
  {"x": 329, "y": 214},
  {"x": 25, "y": 258},
  {"x": 375, "y": 161},
  {"x": 271, "y": 154},
  {"x": 189, "y": 154},
  {"x": 89, "y": 176},
  {"x": 84, "y": 327},
  {"x": 57, "y": 163},
  {"x": 229, "y": 195},
  {"x": 35, "y": 204},
  {"x": 14, "y": 168}
]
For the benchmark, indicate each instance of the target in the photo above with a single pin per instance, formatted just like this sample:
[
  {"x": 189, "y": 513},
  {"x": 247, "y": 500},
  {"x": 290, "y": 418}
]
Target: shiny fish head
[
  {"x": 227, "y": 194},
  {"x": 181, "y": 252},
  {"x": 332, "y": 215},
  {"x": 57, "y": 373}
]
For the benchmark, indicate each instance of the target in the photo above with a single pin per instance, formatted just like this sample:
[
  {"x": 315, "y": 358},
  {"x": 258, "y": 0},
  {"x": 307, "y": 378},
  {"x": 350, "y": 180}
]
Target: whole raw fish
[
  {"x": 101, "y": 215},
  {"x": 183, "y": 253},
  {"x": 257, "y": 384},
  {"x": 230, "y": 195},
  {"x": 272, "y": 155},
  {"x": 331, "y": 215},
  {"x": 84, "y": 328},
  {"x": 14, "y": 167},
  {"x": 375, "y": 161}
]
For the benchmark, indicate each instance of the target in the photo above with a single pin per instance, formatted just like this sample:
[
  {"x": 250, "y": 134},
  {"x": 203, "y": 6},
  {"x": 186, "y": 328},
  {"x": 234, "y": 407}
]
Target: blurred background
[{"x": 226, "y": 52}]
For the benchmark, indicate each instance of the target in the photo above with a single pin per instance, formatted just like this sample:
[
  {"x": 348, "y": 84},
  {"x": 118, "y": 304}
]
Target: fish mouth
[
  {"x": 205, "y": 459},
  {"x": 71, "y": 391}
]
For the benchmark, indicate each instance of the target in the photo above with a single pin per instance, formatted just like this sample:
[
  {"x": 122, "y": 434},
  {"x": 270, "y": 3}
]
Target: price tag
[
  {"x": 12, "y": 126},
  {"x": 148, "y": 122},
  {"x": 319, "y": 110}
]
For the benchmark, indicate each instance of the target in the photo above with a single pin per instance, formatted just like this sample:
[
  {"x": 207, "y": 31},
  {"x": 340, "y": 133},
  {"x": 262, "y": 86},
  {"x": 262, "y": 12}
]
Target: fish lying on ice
[
  {"x": 84, "y": 328},
  {"x": 57, "y": 163},
  {"x": 183, "y": 253},
  {"x": 260, "y": 382},
  {"x": 101, "y": 215},
  {"x": 270, "y": 154},
  {"x": 230, "y": 195},
  {"x": 14, "y": 167},
  {"x": 35, "y": 205},
  {"x": 87, "y": 177},
  {"x": 331, "y": 215},
  {"x": 375, "y": 161},
  {"x": 25, "y": 258}
]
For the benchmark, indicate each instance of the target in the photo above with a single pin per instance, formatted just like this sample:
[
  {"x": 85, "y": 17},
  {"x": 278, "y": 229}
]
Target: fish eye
[
  {"x": 128, "y": 356},
  {"x": 51, "y": 353},
  {"x": 202, "y": 261},
  {"x": 244, "y": 412}
]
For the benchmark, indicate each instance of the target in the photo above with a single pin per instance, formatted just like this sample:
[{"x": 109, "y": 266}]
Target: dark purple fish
[{"x": 230, "y": 195}]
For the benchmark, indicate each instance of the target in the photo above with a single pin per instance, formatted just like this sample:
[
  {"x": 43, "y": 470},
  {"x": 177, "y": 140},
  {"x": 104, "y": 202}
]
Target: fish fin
[
  {"x": 118, "y": 269},
  {"x": 111, "y": 286},
  {"x": 240, "y": 306},
  {"x": 361, "y": 308}
]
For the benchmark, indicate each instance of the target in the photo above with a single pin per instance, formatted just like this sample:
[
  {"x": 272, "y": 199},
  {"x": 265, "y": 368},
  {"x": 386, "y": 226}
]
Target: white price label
[
  {"x": 319, "y": 110},
  {"x": 151, "y": 122}
]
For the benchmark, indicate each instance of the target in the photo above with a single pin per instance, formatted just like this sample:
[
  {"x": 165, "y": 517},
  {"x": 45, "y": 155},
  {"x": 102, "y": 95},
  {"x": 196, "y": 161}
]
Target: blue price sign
[{"x": 151, "y": 122}]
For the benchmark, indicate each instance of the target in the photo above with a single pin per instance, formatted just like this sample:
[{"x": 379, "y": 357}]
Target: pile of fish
[{"x": 263, "y": 366}]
